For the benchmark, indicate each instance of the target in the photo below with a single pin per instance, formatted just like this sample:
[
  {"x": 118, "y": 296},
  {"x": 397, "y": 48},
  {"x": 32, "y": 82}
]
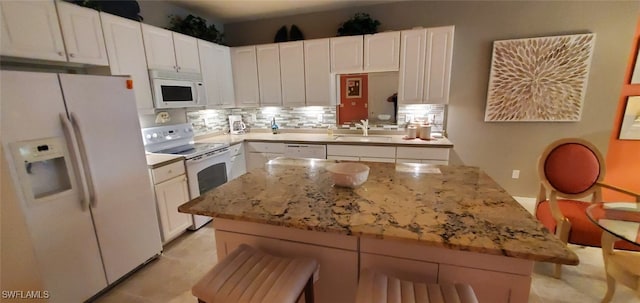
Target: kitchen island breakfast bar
[{"x": 414, "y": 221}]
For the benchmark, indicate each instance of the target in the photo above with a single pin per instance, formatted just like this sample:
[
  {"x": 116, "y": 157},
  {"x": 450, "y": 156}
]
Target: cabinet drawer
[
  {"x": 426, "y": 153},
  {"x": 374, "y": 159},
  {"x": 167, "y": 172},
  {"x": 438, "y": 162},
  {"x": 362, "y": 151},
  {"x": 263, "y": 147},
  {"x": 343, "y": 158}
]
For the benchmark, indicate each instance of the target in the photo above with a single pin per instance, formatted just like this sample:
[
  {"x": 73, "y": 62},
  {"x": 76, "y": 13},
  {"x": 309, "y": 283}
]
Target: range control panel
[{"x": 160, "y": 134}]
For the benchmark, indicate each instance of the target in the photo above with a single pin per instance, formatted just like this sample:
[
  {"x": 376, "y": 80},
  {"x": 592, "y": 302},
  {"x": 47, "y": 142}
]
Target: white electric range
[{"x": 208, "y": 164}]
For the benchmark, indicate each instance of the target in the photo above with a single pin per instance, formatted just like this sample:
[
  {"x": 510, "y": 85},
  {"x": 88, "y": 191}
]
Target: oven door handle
[{"x": 206, "y": 157}]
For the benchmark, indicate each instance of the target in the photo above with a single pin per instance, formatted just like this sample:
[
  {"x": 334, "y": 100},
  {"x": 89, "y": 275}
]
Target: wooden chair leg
[
  {"x": 611, "y": 289},
  {"x": 308, "y": 291},
  {"x": 562, "y": 231}
]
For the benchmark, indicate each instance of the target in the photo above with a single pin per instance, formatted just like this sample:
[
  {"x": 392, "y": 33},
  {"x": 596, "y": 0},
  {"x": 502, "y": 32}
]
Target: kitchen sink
[{"x": 363, "y": 139}]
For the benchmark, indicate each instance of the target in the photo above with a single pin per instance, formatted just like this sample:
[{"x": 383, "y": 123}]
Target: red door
[{"x": 354, "y": 99}]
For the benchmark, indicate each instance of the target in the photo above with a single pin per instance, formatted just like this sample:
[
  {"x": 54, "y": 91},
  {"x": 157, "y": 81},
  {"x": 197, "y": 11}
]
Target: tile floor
[{"x": 186, "y": 259}]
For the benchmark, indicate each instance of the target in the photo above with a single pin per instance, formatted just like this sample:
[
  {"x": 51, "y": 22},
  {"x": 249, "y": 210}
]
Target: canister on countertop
[
  {"x": 411, "y": 132},
  {"x": 425, "y": 132}
]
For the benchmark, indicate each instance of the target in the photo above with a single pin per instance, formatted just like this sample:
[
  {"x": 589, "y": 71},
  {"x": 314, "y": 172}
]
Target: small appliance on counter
[{"x": 236, "y": 126}]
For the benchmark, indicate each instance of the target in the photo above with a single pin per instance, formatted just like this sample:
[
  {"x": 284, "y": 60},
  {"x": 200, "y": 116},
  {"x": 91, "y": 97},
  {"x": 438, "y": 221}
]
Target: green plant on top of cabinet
[
  {"x": 245, "y": 75},
  {"x": 123, "y": 39},
  {"x": 268, "y": 59},
  {"x": 215, "y": 61},
  {"x": 425, "y": 65},
  {"x": 82, "y": 33},
  {"x": 167, "y": 50}
]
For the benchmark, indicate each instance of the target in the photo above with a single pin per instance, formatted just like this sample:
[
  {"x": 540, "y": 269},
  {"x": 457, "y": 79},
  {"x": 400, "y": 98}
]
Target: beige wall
[{"x": 498, "y": 148}]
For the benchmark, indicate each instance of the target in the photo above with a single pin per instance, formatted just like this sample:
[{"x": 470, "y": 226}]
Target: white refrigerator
[{"x": 73, "y": 149}]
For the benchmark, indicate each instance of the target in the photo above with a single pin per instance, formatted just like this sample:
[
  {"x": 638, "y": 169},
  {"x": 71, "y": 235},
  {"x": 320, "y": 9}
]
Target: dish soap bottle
[{"x": 274, "y": 126}]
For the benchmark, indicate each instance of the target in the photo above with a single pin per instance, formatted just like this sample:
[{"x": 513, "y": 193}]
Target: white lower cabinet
[
  {"x": 362, "y": 153},
  {"x": 259, "y": 153},
  {"x": 171, "y": 190},
  {"x": 238, "y": 161},
  {"x": 431, "y": 155}
]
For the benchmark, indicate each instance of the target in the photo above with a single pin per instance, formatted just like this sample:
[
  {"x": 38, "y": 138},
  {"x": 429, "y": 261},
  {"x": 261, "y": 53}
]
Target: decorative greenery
[
  {"x": 195, "y": 27},
  {"x": 124, "y": 8},
  {"x": 359, "y": 24}
]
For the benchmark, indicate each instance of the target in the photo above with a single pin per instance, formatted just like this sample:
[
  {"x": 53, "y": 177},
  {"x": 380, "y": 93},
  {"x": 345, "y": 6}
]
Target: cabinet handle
[
  {"x": 71, "y": 55},
  {"x": 170, "y": 171},
  {"x": 60, "y": 53},
  {"x": 178, "y": 68}
]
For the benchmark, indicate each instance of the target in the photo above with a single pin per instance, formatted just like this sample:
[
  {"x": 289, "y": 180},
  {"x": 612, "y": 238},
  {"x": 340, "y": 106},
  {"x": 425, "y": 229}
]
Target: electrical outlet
[{"x": 515, "y": 174}]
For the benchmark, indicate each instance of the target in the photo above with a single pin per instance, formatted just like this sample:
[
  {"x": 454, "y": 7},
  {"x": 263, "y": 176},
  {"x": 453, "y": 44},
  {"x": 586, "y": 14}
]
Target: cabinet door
[
  {"x": 209, "y": 73},
  {"x": 437, "y": 74},
  {"x": 186, "y": 49},
  {"x": 412, "y": 56},
  {"x": 489, "y": 286},
  {"x": 256, "y": 160},
  {"x": 245, "y": 75},
  {"x": 225, "y": 75},
  {"x": 382, "y": 52},
  {"x": 30, "y": 30},
  {"x": 268, "y": 57},
  {"x": 169, "y": 195},
  {"x": 292, "y": 73},
  {"x": 238, "y": 166},
  {"x": 317, "y": 72},
  {"x": 346, "y": 54},
  {"x": 123, "y": 39},
  {"x": 158, "y": 45},
  {"x": 82, "y": 34}
]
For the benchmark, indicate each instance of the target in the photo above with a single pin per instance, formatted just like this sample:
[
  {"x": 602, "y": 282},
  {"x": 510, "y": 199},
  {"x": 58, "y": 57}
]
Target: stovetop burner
[{"x": 176, "y": 140}]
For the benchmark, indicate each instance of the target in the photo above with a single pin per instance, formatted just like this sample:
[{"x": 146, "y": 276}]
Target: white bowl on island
[
  {"x": 384, "y": 117},
  {"x": 348, "y": 174}
]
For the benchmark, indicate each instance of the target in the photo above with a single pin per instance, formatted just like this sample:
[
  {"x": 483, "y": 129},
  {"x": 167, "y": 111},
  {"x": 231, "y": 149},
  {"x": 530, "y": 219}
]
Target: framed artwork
[
  {"x": 354, "y": 88},
  {"x": 539, "y": 79},
  {"x": 630, "y": 129}
]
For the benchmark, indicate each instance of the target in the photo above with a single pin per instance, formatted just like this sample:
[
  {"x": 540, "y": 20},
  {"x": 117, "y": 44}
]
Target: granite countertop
[
  {"x": 323, "y": 138},
  {"x": 158, "y": 160},
  {"x": 457, "y": 207}
]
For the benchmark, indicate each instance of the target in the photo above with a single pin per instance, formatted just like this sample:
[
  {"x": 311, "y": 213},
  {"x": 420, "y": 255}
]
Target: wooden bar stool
[
  {"x": 375, "y": 287},
  {"x": 250, "y": 275}
]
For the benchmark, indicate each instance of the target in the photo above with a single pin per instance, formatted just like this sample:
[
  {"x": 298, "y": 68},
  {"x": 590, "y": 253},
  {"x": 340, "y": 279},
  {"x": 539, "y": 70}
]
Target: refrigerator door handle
[
  {"x": 79, "y": 167},
  {"x": 83, "y": 154}
]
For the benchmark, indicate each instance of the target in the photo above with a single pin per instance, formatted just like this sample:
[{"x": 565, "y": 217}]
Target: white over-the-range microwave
[{"x": 177, "y": 89}]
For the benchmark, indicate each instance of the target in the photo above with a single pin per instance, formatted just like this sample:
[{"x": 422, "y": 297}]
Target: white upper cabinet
[
  {"x": 245, "y": 75},
  {"x": 268, "y": 56},
  {"x": 167, "y": 50},
  {"x": 438, "y": 64},
  {"x": 346, "y": 54},
  {"x": 425, "y": 65},
  {"x": 82, "y": 34},
  {"x": 317, "y": 72},
  {"x": 123, "y": 39},
  {"x": 158, "y": 45},
  {"x": 215, "y": 63},
  {"x": 382, "y": 52},
  {"x": 187, "y": 58},
  {"x": 292, "y": 73},
  {"x": 30, "y": 30},
  {"x": 411, "y": 78}
]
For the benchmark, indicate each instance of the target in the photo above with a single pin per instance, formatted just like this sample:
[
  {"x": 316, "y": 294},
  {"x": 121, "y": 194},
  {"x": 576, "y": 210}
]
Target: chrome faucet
[{"x": 364, "y": 126}]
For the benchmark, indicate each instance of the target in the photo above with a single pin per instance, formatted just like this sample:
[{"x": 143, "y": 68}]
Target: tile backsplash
[{"x": 309, "y": 117}]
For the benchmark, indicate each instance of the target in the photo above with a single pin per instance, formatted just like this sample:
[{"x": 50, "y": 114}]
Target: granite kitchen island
[{"x": 417, "y": 221}]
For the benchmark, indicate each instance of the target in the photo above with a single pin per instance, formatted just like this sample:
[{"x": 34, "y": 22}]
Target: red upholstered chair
[{"x": 569, "y": 170}]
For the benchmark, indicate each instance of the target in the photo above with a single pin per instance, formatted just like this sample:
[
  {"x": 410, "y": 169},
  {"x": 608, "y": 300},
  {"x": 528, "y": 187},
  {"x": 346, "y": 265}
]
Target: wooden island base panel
[{"x": 413, "y": 221}]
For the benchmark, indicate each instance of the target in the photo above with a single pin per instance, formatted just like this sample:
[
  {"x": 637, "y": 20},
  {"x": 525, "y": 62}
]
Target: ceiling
[{"x": 227, "y": 11}]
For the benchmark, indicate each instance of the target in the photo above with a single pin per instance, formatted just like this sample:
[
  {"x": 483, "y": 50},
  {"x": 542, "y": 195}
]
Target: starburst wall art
[{"x": 539, "y": 79}]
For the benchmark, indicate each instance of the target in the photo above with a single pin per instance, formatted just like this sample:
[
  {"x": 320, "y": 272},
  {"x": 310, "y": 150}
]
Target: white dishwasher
[{"x": 310, "y": 151}]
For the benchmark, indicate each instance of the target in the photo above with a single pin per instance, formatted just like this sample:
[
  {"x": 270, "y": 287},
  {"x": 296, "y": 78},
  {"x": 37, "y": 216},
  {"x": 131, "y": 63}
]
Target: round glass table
[
  {"x": 622, "y": 219},
  {"x": 619, "y": 221}
]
